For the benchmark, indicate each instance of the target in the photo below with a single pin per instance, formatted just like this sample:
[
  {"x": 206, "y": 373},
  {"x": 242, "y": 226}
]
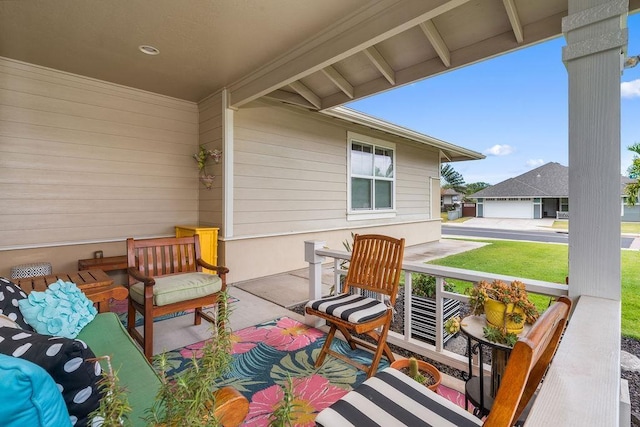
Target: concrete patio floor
[{"x": 292, "y": 288}]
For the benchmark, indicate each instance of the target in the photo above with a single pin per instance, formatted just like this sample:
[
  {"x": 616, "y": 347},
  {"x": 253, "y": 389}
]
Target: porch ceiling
[{"x": 318, "y": 54}]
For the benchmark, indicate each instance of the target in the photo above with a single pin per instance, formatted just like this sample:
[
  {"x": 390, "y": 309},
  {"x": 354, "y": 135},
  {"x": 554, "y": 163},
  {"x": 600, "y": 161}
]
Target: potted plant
[
  {"x": 283, "y": 414},
  {"x": 114, "y": 409},
  {"x": 506, "y": 307},
  {"x": 421, "y": 371},
  {"x": 188, "y": 399},
  {"x": 423, "y": 308},
  {"x": 201, "y": 157}
]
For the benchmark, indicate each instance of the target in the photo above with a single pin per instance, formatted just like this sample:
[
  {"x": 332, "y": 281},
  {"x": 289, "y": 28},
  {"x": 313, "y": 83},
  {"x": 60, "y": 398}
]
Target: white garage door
[{"x": 508, "y": 209}]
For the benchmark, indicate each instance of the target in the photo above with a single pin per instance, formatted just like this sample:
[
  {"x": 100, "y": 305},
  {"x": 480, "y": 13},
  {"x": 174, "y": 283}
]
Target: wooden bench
[{"x": 165, "y": 276}]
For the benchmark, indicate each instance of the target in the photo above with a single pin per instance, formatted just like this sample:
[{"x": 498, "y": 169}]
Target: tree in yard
[
  {"x": 452, "y": 178},
  {"x": 474, "y": 187},
  {"x": 632, "y": 189}
]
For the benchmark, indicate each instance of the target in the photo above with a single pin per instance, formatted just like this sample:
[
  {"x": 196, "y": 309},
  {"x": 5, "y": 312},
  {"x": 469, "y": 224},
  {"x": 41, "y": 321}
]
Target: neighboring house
[
  {"x": 540, "y": 193},
  {"x": 449, "y": 197},
  {"x": 628, "y": 213}
]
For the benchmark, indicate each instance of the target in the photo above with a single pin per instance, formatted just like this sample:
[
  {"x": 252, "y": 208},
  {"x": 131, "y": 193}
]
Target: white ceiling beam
[
  {"x": 289, "y": 98},
  {"x": 430, "y": 30},
  {"x": 381, "y": 64},
  {"x": 306, "y": 93},
  {"x": 338, "y": 80},
  {"x": 540, "y": 30},
  {"x": 373, "y": 23},
  {"x": 514, "y": 19}
]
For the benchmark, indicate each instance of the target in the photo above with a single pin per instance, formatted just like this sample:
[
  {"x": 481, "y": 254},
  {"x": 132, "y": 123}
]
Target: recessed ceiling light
[{"x": 149, "y": 50}]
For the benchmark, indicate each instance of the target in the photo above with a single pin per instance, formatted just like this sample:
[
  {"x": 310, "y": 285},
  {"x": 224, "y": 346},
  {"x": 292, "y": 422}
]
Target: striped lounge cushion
[
  {"x": 349, "y": 307},
  {"x": 391, "y": 398}
]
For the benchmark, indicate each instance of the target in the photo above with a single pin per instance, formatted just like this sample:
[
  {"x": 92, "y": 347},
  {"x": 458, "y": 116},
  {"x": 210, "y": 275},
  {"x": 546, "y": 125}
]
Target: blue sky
[{"x": 512, "y": 108}]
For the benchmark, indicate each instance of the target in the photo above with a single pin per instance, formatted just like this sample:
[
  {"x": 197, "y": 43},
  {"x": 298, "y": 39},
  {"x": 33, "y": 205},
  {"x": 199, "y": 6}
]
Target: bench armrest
[
  {"x": 148, "y": 281},
  {"x": 218, "y": 269}
]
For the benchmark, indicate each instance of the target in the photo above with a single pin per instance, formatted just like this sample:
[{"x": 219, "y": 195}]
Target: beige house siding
[
  {"x": 84, "y": 161},
  {"x": 291, "y": 186},
  {"x": 265, "y": 256},
  {"x": 211, "y": 137},
  {"x": 291, "y": 173}
]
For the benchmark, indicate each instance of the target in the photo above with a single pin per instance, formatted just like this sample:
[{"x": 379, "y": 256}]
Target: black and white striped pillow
[
  {"x": 349, "y": 307},
  {"x": 391, "y": 398}
]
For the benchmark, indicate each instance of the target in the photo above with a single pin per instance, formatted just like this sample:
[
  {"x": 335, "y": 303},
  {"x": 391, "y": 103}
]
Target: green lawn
[
  {"x": 547, "y": 262},
  {"x": 625, "y": 227}
]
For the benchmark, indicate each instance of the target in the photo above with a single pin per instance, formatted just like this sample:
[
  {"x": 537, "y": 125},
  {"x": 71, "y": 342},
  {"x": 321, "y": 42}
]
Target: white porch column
[
  {"x": 315, "y": 276},
  {"x": 596, "y": 35},
  {"x": 227, "y": 164}
]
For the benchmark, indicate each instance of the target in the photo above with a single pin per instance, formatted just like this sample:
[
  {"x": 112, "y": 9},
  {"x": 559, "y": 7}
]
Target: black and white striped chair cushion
[
  {"x": 391, "y": 398},
  {"x": 349, "y": 307}
]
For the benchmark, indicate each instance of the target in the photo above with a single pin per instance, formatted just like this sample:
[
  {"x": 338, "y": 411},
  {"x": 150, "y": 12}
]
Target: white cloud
[
  {"x": 534, "y": 163},
  {"x": 498, "y": 150},
  {"x": 630, "y": 89}
]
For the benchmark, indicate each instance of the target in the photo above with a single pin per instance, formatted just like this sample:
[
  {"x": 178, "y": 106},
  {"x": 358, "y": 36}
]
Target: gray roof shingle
[{"x": 548, "y": 180}]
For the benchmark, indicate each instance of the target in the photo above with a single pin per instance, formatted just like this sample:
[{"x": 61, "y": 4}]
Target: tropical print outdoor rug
[{"x": 266, "y": 355}]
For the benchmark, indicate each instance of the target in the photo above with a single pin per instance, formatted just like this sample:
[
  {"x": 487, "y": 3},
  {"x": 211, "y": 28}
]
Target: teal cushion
[
  {"x": 29, "y": 396},
  {"x": 178, "y": 287},
  {"x": 106, "y": 336},
  {"x": 61, "y": 310}
]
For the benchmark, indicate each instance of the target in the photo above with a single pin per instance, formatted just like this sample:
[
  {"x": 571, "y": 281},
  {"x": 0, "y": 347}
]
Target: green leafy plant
[
  {"x": 494, "y": 334},
  {"x": 344, "y": 264},
  {"x": 348, "y": 244},
  {"x": 423, "y": 285},
  {"x": 201, "y": 157},
  {"x": 452, "y": 325},
  {"x": 114, "y": 406},
  {"x": 283, "y": 414},
  {"x": 188, "y": 400}
]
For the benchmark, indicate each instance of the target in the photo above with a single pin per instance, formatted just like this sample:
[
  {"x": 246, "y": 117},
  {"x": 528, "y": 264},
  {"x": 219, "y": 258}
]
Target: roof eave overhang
[{"x": 449, "y": 152}]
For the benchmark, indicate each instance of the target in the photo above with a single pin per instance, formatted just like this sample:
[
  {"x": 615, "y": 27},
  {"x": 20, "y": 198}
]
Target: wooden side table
[
  {"x": 101, "y": 296},
  {"x": 109, "y": 263},
  {"x": 95, "y": 284}
]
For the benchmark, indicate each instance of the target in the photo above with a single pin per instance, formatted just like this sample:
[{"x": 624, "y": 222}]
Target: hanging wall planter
[
  {"x": 207, "y": 181},
  {"x": 201, "y": 157}
]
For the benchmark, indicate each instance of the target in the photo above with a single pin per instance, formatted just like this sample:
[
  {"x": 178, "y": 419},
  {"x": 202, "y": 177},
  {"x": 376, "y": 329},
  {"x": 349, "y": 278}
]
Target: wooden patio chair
[
  {"x": 375, "y": 266},
  {"x": 165, "y": 276},
  {"x": 393, "y": 398}
]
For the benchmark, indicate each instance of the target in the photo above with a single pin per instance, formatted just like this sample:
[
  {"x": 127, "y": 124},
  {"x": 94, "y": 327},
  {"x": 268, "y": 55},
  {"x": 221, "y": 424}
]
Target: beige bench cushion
[{"x": 179, "y": 287}]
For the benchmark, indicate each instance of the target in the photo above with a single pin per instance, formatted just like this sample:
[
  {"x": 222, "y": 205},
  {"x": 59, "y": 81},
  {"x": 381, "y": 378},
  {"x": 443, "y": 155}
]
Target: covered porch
[{"x": 343, "y": 52}]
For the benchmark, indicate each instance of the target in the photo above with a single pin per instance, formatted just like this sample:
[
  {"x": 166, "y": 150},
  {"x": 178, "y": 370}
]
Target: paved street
[{"x": 520, "y": 229}]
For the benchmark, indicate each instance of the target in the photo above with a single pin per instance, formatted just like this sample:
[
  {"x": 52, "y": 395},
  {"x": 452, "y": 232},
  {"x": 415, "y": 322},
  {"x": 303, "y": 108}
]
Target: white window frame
[
  {"x": 563, "y": 204},
  {"x": 362, "y": 214}
]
